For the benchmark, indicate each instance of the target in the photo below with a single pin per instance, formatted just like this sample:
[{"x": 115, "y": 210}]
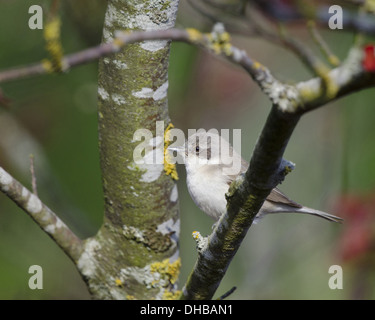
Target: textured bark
[{"x": 135, "y": 253}]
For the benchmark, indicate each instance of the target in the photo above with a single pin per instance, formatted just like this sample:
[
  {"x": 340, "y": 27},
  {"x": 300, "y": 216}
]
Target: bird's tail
[
  {"x": 321, "y": 214},
  {"x": 305, "y": 210}
]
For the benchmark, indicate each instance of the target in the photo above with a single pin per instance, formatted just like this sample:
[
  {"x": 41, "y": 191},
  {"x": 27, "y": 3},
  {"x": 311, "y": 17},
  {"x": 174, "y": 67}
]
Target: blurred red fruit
[
  {"x": 358, "y": 235},
  {"x": 368, "y": 62}
]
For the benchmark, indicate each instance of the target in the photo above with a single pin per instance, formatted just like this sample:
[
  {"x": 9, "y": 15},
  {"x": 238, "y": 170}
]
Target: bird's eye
[{"x": 197, "y": 149}]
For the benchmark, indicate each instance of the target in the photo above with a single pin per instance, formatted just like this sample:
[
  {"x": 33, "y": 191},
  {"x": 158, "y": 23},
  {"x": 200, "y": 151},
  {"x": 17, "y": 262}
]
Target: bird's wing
[
  {"x": 244, "y": 166},
  {"x": 275, "y": 196}
]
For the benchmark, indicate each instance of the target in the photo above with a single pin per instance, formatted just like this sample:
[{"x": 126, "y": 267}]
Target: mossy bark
[{"x": 141, "y": 224}]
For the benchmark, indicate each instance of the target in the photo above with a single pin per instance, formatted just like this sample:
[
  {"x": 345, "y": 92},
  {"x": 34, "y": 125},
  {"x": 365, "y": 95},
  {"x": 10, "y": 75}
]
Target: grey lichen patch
[
  {"x": 52, "y": 228},
  {"x": 146, "y": 93},
  {"x": 103, "y": 94},
  {"x": 169, "y": 227},
  {"x": 174, "y": 194},
  {"x": 133, "y": 233},
  {"x": 5, "y": 180},
  {"x": 118, "y": 99},
  {"x": 286, "y": 97},
  {"x": 161, "y": 92},
  {"x": 119, "y": 64},
  {"x": 152, "y": 172},
  {"x": 350, "y": 67},
  {"x": 87, "y": 263},
  {"x": 34, "y": 205},
  {"x": 154, "y": 45},
  {"x": 200, "y": 241},
  {"x": 145, "y": 15},
  {"x": 143, "y": 276}
]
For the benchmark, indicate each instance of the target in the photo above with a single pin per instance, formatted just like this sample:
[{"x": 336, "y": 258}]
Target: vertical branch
[{"x": 141, "y": 225}]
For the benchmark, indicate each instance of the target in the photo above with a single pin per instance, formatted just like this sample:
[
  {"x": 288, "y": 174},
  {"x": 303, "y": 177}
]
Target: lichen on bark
[{"x": 132, "y": 88}]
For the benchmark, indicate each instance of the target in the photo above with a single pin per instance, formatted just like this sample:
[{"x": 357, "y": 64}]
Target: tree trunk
[{"x": 135, "y": 253}]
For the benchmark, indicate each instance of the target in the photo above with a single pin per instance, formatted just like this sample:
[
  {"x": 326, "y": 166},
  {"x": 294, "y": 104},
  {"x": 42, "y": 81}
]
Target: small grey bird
[{"x": 208, "y": 181}]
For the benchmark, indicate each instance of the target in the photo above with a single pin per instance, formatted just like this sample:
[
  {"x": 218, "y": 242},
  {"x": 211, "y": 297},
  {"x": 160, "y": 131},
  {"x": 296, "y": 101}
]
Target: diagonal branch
[
  {"x": 192, "y": 36},
  {"x": 46, "y": 219}
]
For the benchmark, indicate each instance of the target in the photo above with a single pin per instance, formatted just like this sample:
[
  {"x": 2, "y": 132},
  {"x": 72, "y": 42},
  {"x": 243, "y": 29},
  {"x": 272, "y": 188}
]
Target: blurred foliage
[{"x": 283, "y": 256}]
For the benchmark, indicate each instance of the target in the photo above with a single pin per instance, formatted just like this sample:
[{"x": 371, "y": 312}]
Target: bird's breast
[{"x": 208, "y": 192}]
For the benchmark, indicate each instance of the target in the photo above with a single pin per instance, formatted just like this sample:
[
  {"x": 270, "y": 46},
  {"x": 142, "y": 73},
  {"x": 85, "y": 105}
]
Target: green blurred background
[{"x": 283, "y": 257}]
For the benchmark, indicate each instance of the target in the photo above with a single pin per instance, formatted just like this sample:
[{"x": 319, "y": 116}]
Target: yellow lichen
[
  {"x": 257, "y": 65},
  {"x": 53, "y": 43},
  {"x": 169, "y": 168},
  {"x": 52, "y": 29},
  {"x": 47, "y": 65},
  {"x": 118, "y": 282},
  {"x": 168, "y": 295},
  {"x": 224, "y": 37},
  {"x": 168, "y": 271},
  {"x": 219, "y": 42},
  {"x": 333, "y": 60},
  {"x": 227, "y": 49},
  {"x": 194, "y": 35},
  {"x": 196, "y": 234},
  {"x": 369, "y": 6},
  {"x": 130, "y": 297},
  {"x": 288, "y": 169},
  {"x": 307, "y": 94},
  {"x": 330, "y": 86},
  {"x": 118, "y": 42}
]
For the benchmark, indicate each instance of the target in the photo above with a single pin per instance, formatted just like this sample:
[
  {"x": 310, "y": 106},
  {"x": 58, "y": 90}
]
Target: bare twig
[
  {"x": 323, "y": 46},
  {"x": 227, "y": 294},
  {"x": 41, "y": 214},
  {"x": 53, "y": 8},
  {"x": 33, "y": 177},
  {"x": 124, "y": 38}
]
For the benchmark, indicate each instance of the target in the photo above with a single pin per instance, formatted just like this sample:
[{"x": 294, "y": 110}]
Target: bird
[{"x": 208, "y": 178}]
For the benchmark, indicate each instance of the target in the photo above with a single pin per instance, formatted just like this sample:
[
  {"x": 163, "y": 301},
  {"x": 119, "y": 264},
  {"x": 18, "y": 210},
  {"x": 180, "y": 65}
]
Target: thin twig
[
  {"x": 33, "y": 177},
  {"x": 53, "y": 8},
  {"x": 323, "y": 46},
  {"x": 121, "y": 39},
  {"x": 227, "y": 294}
]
